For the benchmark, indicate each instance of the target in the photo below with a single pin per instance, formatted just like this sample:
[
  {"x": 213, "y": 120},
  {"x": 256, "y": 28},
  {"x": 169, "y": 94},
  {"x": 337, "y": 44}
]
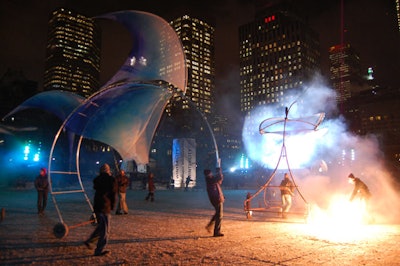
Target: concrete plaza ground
[{"x": 171, "y": 231}]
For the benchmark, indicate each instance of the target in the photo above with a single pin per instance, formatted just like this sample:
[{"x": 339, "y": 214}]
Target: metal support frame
[
  {"x": 77, "y": 173},
  {"x": 61, "y": 229},
  {"x": 283, "y": 154}
]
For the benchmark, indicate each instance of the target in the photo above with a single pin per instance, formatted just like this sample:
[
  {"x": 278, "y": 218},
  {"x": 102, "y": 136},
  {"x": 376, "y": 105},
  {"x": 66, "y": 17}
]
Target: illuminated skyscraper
[
  {"x": 182, "y": 119},
  {"x": 72, "y": 53},
  {"x": 345, "y": 70},
  {"x": 197, "y": 38},
  {"x": 278, "y": 52},
  {"x": 398, "y": 12}
]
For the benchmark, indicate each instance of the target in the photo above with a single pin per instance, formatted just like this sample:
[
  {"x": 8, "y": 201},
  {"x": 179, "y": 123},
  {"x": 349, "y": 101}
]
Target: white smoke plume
[{"x": 321, "y": 159}]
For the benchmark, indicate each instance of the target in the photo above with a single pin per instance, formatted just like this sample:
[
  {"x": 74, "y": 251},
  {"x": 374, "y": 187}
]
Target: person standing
[
  {"x": 216, "y": 198},
  {"x": 187, "y": 182},
  {"x": 286, "y": 188},
  {"x": 123, "y": 182},
  {"x": 105, "y": 187},
  {"x": 42, "y": 187},
  {"x": 151, "y": 187},
  {"x": 171, "y": 184}
]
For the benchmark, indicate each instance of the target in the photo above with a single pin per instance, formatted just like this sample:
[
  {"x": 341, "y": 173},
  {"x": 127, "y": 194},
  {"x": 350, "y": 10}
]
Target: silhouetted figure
[
  {"x": 361, "y": 192},
  {"x": 144, "y": 181},
  {"x": 187, "y": 182},
  {"x": 248, "y": 206},
  {"x": 42, "y": 187},
  {"x": 105, "y": 186},
  {"x": 360, "y": 188},
  {"x": 151, "y": 187},
  {"x": 171, "y": 184},
  {"x": 216, "y": 198}
]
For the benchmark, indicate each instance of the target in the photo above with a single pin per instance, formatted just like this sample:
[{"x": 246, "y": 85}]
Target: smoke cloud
[{"x": 321, "y": 160}]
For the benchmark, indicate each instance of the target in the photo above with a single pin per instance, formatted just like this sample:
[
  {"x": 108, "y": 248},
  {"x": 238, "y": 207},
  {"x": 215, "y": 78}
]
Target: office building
[
  {"x": 197, "y": 38},
  {"x": 345, "y": 71},
  {"x": 278, "y": 52},
  {"x": 72, "y": 53},
  {"x": 182, "y": 119},
  {"x": 375, "y": 112},
  {"x": 398, "y": 13}
]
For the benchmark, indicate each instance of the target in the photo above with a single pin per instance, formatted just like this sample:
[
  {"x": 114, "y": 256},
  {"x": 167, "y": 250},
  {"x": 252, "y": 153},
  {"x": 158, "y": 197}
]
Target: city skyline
[{"x": 367, "y": 29}]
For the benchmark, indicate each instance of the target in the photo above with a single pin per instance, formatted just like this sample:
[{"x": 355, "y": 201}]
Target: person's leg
[
  {"x": 284, "y": 203},
  {"x": 118, "y": 211},
  {"x": 44, "y": 204},
  {"x": 218, "y": 219},
  {"x": 211, "y": 222},
  {"x": 124, "y": 206},
  {"x": 40, "y": 201},
  {"x": 104, "y": 231},
  {"x": 94, "y": 236},
  {"x": 152, "y": 196},
  {"x": 289, "y": 202}
]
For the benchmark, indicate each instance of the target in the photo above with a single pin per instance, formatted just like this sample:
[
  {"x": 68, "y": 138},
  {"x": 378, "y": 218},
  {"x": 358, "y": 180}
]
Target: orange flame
[{"x": 342, "y": 221}]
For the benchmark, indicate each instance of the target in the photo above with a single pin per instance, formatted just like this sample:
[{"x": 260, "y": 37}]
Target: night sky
[{"x": 370, "y": 28}]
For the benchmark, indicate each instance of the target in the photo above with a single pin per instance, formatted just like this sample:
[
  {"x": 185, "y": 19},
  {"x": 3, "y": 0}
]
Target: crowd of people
[
  {"x": 110, "y": 193},
  {"x": 107, "y": 187}
]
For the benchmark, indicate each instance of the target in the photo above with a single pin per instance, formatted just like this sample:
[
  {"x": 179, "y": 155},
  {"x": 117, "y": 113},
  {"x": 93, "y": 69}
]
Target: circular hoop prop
[{"x": 60, "y": 230}]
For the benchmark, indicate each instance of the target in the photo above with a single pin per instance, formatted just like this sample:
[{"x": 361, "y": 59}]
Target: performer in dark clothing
[
  {"x": 42, "y": 187},
  {"x": 360, "y": 188},
  {"x": 217, "y": 199},
  {"x": 105, "y": 186},
  {"x": 187, "y": 182},
  {"x": 361, "y": 192}
]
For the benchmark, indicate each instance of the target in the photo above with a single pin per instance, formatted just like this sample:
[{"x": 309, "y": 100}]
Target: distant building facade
[
  {"x": 72, "y": 53},
  {"x": 229, "y": 143},
  {"x": 197, "y": 38},
  {"x": 345, "y": 71},
  {"x": 186, "y": 117},
  {"x": 398, "y": 13},
  {"x": 376, "y": 111},
  {"x": 278, "y": 52}
]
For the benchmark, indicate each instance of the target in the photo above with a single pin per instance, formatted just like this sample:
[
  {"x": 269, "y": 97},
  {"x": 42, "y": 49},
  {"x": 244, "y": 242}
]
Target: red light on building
[{"x": 269, "y": 19}]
